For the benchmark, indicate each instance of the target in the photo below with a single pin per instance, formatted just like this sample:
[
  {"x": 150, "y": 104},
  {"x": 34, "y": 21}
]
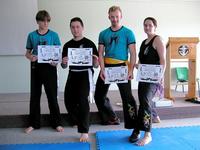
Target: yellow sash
[
  {"x": 113, "y": 61},
  {"x": 116, "y": 61}
]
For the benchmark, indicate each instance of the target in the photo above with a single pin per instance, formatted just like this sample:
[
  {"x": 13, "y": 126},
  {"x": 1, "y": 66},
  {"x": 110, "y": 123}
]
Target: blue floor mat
[
  {"x": 57, "y": 146},
  {"x": 176, "y": 138}
]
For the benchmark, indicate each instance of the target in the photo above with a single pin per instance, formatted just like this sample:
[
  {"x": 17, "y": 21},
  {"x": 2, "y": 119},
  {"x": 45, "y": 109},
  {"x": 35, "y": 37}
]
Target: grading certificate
[
  {"x": 116, "y": 74},
  {"x": 49, "y": 53},
  {"x": 149, "y": 73},
  {"x": 80, "y": 56}
]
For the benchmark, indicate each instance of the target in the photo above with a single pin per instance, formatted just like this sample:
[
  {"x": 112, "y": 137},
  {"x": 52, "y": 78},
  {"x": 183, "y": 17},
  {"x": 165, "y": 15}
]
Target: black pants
[
  {"x": 146, "y": 92},
  {"x": 76, "y": 99},
  {"x": 44, "y": 74},
  {"x": 105, "y": 109}
]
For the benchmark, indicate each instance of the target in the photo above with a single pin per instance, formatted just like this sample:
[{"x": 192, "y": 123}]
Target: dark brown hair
[
  {"x": 43, "y": 15},
  {"x": 76, "y": 19},
  {"x": 152, "y": 19}
]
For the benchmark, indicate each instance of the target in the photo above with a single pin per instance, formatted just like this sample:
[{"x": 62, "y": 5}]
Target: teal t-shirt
[
  {"x": 35, "y": 38},
  {"x": 116, "y": 42}
]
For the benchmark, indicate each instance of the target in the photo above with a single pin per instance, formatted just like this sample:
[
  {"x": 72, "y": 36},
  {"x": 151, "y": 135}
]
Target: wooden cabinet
[{"x": 181, "y": 48}]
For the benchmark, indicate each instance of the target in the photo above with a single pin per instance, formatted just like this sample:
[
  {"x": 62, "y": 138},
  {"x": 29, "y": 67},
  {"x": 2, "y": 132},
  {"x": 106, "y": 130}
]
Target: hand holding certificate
[
  {"x": 49, "y": 54},
  {"x": 116, "y": 74},
  {"x": 80, "y": 56},
  {"x": 149, "y": 73}
]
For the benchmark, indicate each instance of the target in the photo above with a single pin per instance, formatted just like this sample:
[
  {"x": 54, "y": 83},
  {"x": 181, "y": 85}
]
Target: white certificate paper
[
  {"x": 149, "y": 73},
  {"x": 80, "y": 56},
  {"x": 116, "y": 74},
  {"x": 49, "y": 53}
]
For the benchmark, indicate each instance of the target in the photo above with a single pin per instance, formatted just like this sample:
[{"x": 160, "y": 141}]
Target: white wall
[
  {"x": 15, "y": 75},
  {"x": 175, "y": 18},
  {"x": 16, "y": 22}
]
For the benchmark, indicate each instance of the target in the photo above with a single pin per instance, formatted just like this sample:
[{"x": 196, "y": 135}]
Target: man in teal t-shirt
[
  {"x": 115, "y": 43},
  {"x": 42, "y": 74}
]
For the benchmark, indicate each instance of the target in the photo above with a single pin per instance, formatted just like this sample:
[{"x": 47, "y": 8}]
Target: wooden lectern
[{"x": 181, "y": 48}]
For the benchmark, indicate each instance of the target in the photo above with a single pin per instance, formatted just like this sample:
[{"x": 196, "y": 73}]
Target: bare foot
[
  {"x": 59, "y": 129},
  {"x": 156, "y": 120},
  {"x": 29, "y": 130},
  {"x": 145, "y": 140},
  {"x": 84, "y": 137}
]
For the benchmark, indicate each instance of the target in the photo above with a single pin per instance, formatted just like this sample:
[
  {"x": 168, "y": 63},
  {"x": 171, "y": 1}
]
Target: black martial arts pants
[
  {"x": 76, "y": 99},
  {"x": 104, "y": 107},
  {"x": 44, "y": 74},
  {"x": 146, "y": 92}
]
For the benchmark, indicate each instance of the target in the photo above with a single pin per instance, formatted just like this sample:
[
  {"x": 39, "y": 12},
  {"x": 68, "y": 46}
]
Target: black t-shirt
[
  {"x": 148, "y": 54},
  {"x": 83, "y": 43}
]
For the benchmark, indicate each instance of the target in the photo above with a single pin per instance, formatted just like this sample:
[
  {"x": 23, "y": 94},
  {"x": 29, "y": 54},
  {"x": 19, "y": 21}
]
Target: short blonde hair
[{"x": 114, "y": 8}]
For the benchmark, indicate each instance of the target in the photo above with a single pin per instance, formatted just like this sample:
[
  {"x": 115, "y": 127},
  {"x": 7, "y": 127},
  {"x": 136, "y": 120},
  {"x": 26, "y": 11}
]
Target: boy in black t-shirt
[{"x": 79, "y": 78}]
